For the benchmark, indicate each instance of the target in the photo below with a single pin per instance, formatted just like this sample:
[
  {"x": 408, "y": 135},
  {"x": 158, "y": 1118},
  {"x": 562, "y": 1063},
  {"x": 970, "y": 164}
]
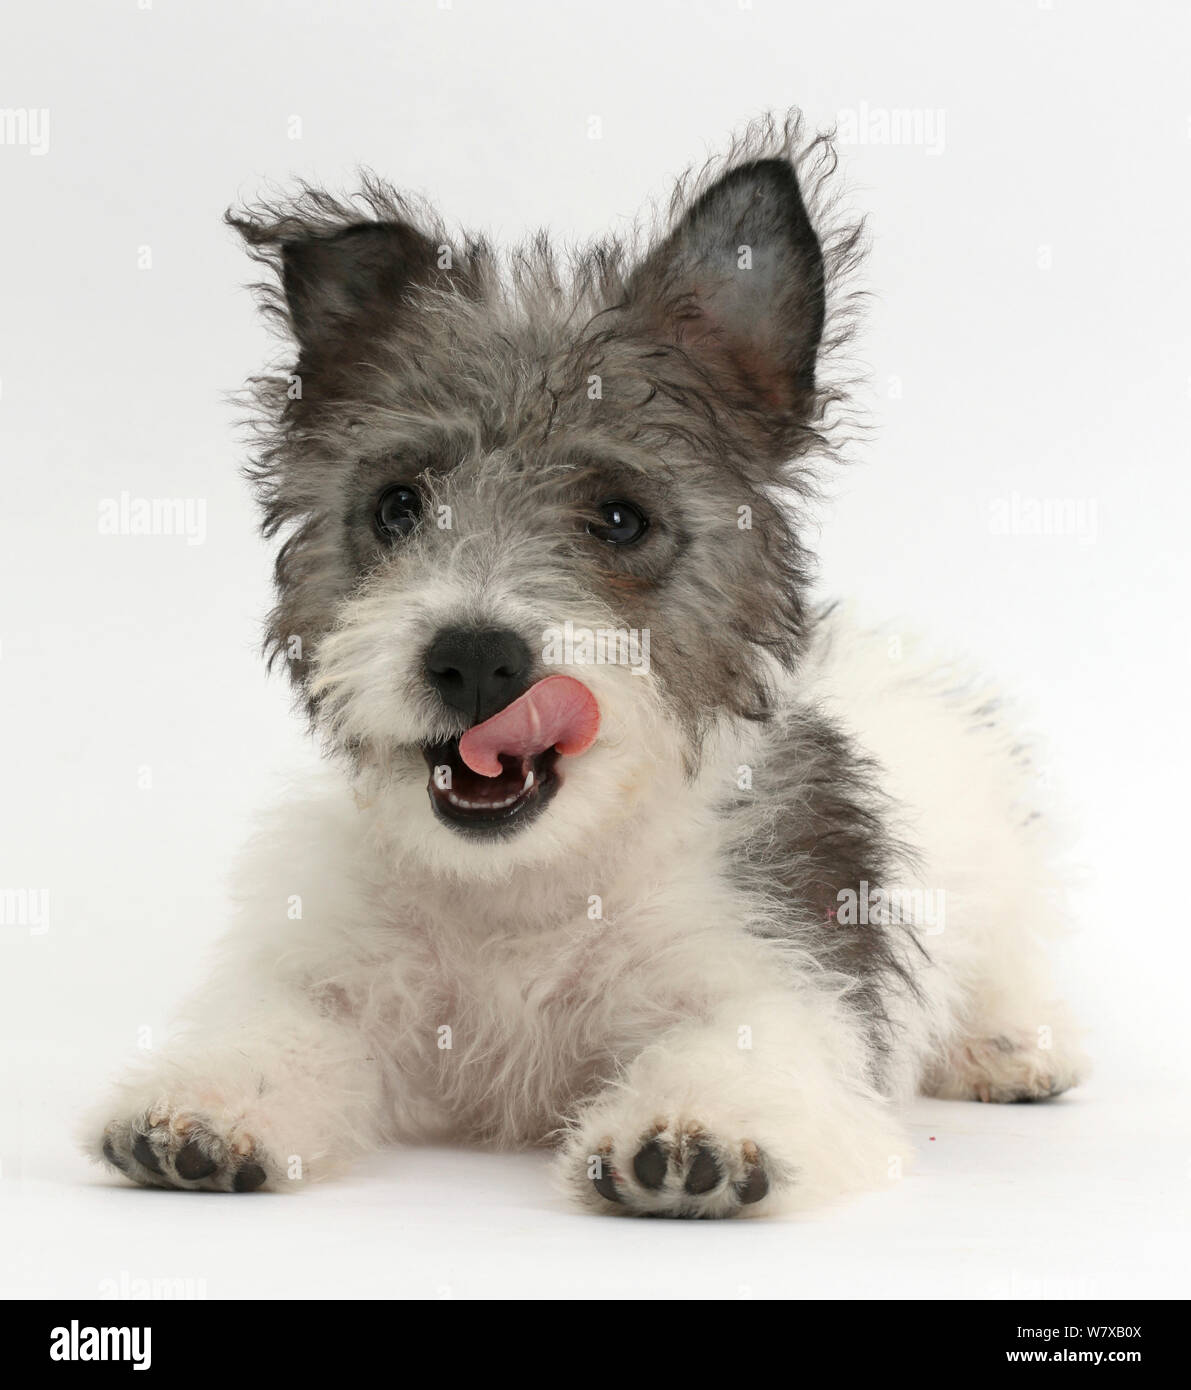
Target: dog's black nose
[{"x": 478, "y": 670}]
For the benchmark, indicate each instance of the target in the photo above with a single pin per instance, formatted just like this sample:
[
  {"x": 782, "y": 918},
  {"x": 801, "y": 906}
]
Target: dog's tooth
[{"x": 483, "y": 804}]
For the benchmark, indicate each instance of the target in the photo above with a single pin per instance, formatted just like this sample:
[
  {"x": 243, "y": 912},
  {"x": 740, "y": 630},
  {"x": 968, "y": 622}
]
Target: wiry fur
[{"x": 653, "y": 974}]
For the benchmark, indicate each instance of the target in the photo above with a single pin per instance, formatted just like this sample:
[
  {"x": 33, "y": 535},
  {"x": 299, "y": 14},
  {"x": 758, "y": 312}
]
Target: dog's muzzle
[{"x": 500, "y": 774}]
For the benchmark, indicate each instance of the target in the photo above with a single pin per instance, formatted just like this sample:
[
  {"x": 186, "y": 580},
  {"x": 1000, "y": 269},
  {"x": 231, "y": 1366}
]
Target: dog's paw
[
  {"x": 164, "y": 1147},
  {"x": 680, "y": 1168},
  {"x": 1004, "y": 1069}
]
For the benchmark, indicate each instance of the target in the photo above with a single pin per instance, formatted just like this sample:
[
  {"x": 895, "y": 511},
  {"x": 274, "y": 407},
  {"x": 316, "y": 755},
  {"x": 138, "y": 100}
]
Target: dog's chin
[{"x": 490, "y": 808}]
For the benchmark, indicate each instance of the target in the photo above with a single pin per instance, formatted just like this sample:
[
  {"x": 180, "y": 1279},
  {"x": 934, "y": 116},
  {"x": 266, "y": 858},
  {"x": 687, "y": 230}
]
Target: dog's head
[{"x": 493, "y": 472}]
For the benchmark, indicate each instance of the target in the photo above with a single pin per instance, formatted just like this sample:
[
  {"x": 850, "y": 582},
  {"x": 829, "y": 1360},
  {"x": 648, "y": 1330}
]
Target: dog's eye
[
  {"x": 397, "y": 511},
  {"x": 622, "y": 523}
]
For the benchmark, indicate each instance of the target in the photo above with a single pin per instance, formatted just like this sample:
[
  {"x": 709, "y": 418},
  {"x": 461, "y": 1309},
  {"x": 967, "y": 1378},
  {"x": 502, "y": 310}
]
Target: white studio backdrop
[{"x": 1025, "y": 170}]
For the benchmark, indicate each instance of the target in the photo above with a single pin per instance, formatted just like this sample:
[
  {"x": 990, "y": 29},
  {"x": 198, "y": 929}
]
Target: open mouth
[
  {"x": 482, "y": 805},
  {"x": 498, "y": 775}
]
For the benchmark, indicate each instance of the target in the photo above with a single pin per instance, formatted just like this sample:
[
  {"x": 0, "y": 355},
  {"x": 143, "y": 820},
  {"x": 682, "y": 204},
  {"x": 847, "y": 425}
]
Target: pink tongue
[{"x": 558, "y": 712}]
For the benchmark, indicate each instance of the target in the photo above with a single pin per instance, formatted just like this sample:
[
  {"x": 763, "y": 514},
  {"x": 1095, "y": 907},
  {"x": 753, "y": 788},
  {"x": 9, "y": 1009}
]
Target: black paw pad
[
  {"x": 703, "y": 1173},
  {"x": 604, "y": 1179},
  {"x": 192, "y": 1164},
  {"x": 249, "y": 1178},
  {"x": 754, "y": 1187},
  {"x": 649, "y": 1167},
  {"x": 142, "y": 1151},
  {"x": 112, "y": 1157}
]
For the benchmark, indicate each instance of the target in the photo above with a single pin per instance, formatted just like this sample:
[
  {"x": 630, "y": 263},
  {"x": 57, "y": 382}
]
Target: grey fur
[{"x": 391, "y": 348}]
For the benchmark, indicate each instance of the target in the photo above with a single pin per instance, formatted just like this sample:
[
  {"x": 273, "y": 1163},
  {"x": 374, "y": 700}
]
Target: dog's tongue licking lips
[
  {"x": 558, "y": 712},
  {"x": 501, "y": 773}
]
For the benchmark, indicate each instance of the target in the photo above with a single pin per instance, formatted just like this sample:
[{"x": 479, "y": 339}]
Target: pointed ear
[
  {"x": 738, "y": 285},
  {"x": 343, "y": 280}
]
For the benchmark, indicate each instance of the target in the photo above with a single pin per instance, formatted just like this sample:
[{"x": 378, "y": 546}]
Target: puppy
[{"x": 625, "y": 844}]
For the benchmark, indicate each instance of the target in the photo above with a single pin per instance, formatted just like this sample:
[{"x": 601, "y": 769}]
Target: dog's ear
[
  {"x": 738, "y": 284},
  {"x": 337, "y": 286},
  {"x": 343, "y": 277}
]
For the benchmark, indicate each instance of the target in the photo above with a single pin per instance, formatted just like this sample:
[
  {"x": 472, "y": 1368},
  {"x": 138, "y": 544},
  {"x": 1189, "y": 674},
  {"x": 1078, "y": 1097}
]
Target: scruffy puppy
[{"x": 625, "y": 845}]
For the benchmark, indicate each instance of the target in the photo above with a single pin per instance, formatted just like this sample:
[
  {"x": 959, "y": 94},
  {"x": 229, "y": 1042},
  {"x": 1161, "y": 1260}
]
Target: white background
[{"x": 1027, "y": 335}]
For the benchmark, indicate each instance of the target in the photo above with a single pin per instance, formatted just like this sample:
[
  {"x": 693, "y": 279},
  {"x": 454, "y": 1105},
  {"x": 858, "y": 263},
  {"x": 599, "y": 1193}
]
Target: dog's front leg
[
  {"x": 270, "y": 1092},
  {"x": 766, "y": 1104}
]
